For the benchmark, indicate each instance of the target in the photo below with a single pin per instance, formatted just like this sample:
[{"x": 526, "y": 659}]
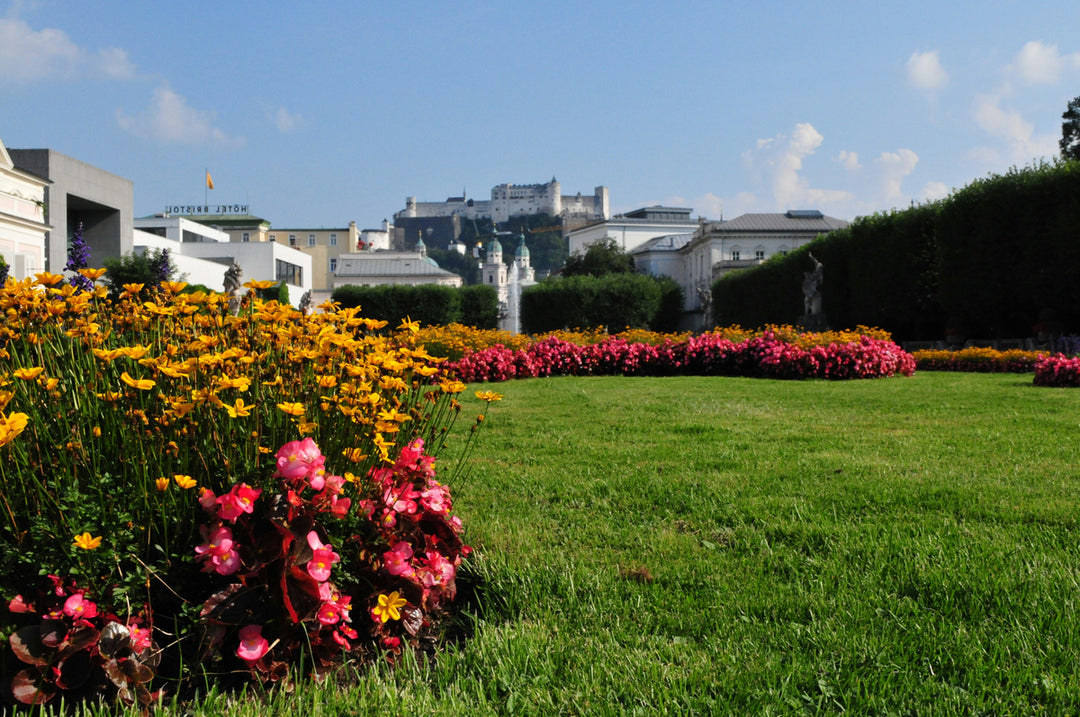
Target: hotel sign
[{"x": 206, "y": 209}]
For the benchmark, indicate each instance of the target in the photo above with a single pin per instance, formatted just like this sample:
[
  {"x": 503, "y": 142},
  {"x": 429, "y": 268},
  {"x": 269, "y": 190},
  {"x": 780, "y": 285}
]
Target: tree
[
  {"x": 1070, "y": 130},
  {"x": 603, "y": 257},
  {"x": 149, "y": 268}
]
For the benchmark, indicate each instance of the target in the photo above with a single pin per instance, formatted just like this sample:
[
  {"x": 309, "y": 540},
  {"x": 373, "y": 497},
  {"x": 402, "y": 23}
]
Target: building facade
[
  {"x": 324, "y": 246},
  {"x": 79, "y": 193},
  {"x": 23, "y": 228},
  {"x": 632, "y": 229}
]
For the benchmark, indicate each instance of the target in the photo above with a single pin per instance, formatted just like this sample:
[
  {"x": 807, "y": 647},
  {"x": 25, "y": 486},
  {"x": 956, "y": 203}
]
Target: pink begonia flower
[
  {"x": 436, "y": 499},
  {"x": 140, "y": 638},
  {"x": 78, "y": 606},
  {"x": 241, "y": 499},
  {"x": 340, "y": 506},
  {"x": 252, "y": 644},
  {"x": 18, "y": 604},
  {"x": 397, "y": 560},
  {"x": 299, "y": 460},
  {"x": 329, "y": 613},
  {"x": 389, "y": 518},
  {"x": 218, "y": 552},
  {"x": 207, "y": 500},
  {"x": 439, "y": 571},
  {"x": 322, "y": 559},
  {"x": 334, "y": 484},
  {"x": 410, "y": 454},
  {"x": 401, "y": 499}
]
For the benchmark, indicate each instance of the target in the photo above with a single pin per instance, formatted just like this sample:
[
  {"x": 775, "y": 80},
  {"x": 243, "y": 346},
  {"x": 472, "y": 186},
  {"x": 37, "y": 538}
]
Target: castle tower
[{"x": 493, "y": 269}]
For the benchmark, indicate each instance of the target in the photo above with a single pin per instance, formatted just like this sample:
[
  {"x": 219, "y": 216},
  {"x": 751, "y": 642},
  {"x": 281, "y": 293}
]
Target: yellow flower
[
  {"x": 389, "y": 607},
  {"x": 92, "y": 274},
  {"x": 293, "y": 409},
  {"x": 28, "y": 374},
  {"x": 173, "y": 287},
  {"x": 162, "y": 483},
  {"x": 133, "y": 288},
  {"x": 11, "y": 426},
  {"x": 239, "y": 409},
  {"x": 46, "y": 279},
  {"x": 240, "y": 382},
  {"x": 488, "y": 396},
  {"x": 97, "y": 431},
  {"x": 143, "y": 384},
  {"x": 88, "y": 542},
  {"x": 409, "y": 325},
  {"x": 260, "y": 285},
  {"x": 184, "y": 482}
]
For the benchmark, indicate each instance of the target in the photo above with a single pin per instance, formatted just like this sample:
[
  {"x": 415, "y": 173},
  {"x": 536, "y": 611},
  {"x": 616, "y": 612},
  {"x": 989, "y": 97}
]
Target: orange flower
[
  {"x": 28, "y": 374},
  {"x": 293, "y": 409},
  {"x": 87, "y": 541},
  {"x": 143, "y": 384},
  {"x": 92, "y": 274},
  {"x": 46, "y": 279}
]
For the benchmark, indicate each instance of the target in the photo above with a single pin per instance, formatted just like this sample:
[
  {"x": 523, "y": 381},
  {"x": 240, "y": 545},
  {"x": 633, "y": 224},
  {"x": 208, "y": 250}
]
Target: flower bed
[
  {"x": 1058, "y": 370},
  {"x": 981, "y": 360},
  {"x": 766, "y": 356},
  {"x": 192, "y": 496}
]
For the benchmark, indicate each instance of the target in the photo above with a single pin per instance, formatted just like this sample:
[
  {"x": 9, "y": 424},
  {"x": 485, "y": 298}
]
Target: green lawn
[{"x": 739, "y": 546}]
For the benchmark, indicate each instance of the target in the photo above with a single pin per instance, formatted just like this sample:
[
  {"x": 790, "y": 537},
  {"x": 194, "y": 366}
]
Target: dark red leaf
[
  {"x": 27, "y": 646},
  {"x": 53, "y": 632},
  {"x": 73, "y": 671},
  {"x": 412, "y": 619},
  {"x": 29, "y": 688}
]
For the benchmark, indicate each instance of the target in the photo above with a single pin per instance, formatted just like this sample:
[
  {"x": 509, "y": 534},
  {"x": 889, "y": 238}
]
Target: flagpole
[{"x": 206, "y": 191}]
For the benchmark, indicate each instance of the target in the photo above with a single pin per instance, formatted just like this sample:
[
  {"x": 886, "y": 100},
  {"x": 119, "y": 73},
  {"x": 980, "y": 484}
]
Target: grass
[{"x": 737, "y": 546}]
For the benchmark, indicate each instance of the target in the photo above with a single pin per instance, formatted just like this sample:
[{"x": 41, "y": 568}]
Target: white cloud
[
  {"x": 284, "y": 120},
  {"x": 925, "y": 73},
  {"x": 933, "y": 191},
  {"x": 1040, "y": 64},
  {"x": 1022, "y": 145},
  {"x": 28, "y": 55},
  {"x": 849, "y": 160},
  {"x": 894, "y": 167},
  {"x": 170, "y": 119},
  {"x": 790, "y": 189}
]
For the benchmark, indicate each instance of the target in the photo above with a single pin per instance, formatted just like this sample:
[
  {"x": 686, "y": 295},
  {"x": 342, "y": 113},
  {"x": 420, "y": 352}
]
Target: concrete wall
[{"x": 80, "y": 192}]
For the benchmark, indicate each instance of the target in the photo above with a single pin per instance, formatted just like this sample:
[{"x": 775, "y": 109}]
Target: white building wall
[
  {"x": 629, "y": 234},
  {"x": 257, "y": 260}
]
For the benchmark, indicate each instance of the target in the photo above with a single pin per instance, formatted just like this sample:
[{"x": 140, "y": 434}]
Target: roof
[
  {"x": 668, "y": 242},
  {"x": 389, "y": 263},
  {"x": 795, "y": 221},
  {"x": 226, "y": 220}
]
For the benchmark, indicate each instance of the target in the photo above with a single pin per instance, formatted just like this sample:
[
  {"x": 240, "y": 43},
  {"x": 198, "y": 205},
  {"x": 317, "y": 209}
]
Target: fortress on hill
[{"x": 440, "y": 221}]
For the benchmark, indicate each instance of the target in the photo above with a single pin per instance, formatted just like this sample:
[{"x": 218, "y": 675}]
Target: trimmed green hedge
[
  {"x": 429, "y": 304},
  {"x": 615, "y": 301},
  {"x": 992, "y": 260}
]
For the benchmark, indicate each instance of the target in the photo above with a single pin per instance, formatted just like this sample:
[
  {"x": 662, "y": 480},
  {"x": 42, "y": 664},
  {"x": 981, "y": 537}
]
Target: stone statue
[
  {"x": 232, "y": 279},
  {"x": 232, "y": 287},
  {"x": 811, "y": 287},
  {"x": 705, "y": 297},
  {"x": 305, "y": 303}
]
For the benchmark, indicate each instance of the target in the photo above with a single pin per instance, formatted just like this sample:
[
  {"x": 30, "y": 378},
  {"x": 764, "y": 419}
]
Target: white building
[
  {"x": 202, "y": 254},
  {"x": 508, "y": 281},
  {"x": 632, "y": 229},
  {"x": 22, "y": 219}
]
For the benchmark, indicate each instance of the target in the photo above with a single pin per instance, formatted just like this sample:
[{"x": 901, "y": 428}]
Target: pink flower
[
  {"x": 440, "y": 571},
  {"x": 239, "y": 500},
  {"x": 140, "y": 638},
  {"x": 207, "y": 500},
  {"x": 78, "y": 606},
  {"x": 322, "y": 559},
  {"x": 436, "y": 499},
  {"x": 340, "y": 506},
  {"x": 218, "y": 552},
  {"x": 397, "y": 560},
  {"x": 298, "y": 460},
  {"x": 402, "y": 499},
  {"x": 18, "y": 604},
  {"x": 252, "y": 644}
]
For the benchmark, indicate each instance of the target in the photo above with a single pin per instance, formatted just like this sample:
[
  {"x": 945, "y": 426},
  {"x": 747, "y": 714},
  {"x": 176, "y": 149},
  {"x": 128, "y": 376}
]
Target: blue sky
[{"x": 318, "y": 113}]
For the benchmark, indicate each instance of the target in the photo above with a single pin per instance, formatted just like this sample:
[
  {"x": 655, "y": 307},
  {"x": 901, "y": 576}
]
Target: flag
[{"x": 209, "y": 182}]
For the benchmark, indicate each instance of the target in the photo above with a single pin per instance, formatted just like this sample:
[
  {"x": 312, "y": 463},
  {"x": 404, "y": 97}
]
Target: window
[
  {"x": 333, "y": 264},
  {"x": 333, "y": 240},
  {"x": 759, "y": 254},
  {"x": 273, "y": 237},
  {"x": 245, "y": 237},
  {"x": 292, "y": 240},
  {"x": 311, "y": 240},
  {"x": 289, "y": 273},
  {"x": 735, "y": 254}
]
